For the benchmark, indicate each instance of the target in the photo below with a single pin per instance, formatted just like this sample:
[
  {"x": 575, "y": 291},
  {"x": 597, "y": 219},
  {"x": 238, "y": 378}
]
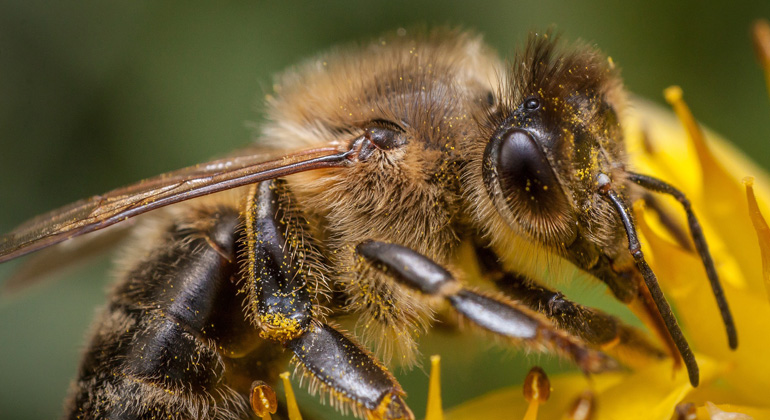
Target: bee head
[{"x": 552, "y": 128}]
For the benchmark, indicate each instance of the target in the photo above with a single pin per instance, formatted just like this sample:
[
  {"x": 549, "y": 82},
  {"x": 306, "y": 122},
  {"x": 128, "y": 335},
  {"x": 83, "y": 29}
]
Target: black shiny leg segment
[
  {"x": 345, "y": 370},
  {"x": 593, "y": 326},
  {"x": 496, "y": 315},
  {"x": 281, "y": 307}
]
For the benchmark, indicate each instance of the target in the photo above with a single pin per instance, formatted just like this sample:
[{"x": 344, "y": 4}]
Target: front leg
[
  {"x": 279, "y": 280},
  {"x": 595, "y": 327},
  {"x": 495, "y": 314}
]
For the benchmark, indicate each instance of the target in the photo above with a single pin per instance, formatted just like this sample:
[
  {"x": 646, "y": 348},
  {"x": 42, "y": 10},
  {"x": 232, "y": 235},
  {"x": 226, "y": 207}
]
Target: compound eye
[
  {"x": 532, "y": 104},
  {"x": 525, "y": 174},
  {"x": 385, "y": 135}
]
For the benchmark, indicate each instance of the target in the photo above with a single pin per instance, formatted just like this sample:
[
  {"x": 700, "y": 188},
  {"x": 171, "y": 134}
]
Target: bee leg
[
  {"x": 280, "y": 305},
  {"x": 349, "y": 373},
  {"x": 595, "y": 327},
  {"x": 497, "y": 315}
]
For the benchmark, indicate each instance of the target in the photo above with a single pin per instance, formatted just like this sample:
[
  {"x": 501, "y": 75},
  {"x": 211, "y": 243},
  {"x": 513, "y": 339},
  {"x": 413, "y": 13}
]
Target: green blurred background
[{"x": 94, "y": 95}]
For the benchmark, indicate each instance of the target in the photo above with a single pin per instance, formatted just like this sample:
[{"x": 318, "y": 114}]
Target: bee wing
[{"x": 105, "y": 210}]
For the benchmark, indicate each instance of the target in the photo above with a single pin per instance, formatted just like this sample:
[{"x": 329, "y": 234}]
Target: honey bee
[{"x": 381, "y": 170}]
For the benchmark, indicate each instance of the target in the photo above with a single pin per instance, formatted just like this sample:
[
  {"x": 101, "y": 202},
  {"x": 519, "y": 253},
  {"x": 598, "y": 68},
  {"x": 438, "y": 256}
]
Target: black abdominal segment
[{"x": 158, "y": 339}]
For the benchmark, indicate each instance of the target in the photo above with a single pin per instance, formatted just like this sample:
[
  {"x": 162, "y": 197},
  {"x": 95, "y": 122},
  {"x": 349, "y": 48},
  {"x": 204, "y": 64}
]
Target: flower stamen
[
  {"x": 291, "y": 400},
  {"x": 685, "y": 411},
  {"x": 263, "y": 401},
  {"x": 537, "y": 389},
  {"x": 434, "y": 410}
]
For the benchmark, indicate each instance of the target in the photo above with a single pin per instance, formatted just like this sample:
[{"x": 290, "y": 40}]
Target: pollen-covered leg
[
  {"x": 595, "y": 327},
  {"x": 280, "y": 305},
  {"x": 497, "y": 315}
]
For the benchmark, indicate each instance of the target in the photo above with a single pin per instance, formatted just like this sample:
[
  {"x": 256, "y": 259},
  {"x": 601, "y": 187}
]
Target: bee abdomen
[
  {"x": 153, "y": 367},
  {"x": 155, "y": 352}
]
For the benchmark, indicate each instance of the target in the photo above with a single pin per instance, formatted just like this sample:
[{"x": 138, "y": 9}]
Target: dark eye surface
[
  {"x": 532, "y": 104},
  {"x": 490, "y": 98},
  {"x": 385, "y": 135},
  {"x": 525, "y": 173}
]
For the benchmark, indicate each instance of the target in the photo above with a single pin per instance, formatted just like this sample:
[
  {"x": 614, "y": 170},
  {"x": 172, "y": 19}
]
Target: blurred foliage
[{"x": 94, "y": 95}]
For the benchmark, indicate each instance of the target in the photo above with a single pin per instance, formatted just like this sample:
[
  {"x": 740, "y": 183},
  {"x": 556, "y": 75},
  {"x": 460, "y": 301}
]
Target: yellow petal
[
  {"x": 509, "y": 403},
  {"x": 763, "y": 231},
  {"x": 761, "y": 36},
  {"x": 652, "y": 393},
  {"x": 721, "y": 211},
  {"x": 687, "y": 287},
  {"x": 648, "y": 394}
]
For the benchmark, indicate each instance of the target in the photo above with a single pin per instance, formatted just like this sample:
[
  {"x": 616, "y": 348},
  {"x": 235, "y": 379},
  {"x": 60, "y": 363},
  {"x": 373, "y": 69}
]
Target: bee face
[{"x": 553, "y": 128}]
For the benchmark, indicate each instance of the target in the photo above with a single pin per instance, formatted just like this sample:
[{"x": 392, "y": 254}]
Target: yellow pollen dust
[{"x": 279, "y": 327}]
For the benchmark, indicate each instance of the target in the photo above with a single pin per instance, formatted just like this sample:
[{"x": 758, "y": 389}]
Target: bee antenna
[
  {"x": 696, "y": 233},
  {"x": 635, "y": 248}
]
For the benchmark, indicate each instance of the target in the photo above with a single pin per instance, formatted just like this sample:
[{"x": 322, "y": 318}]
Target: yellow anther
[
  {"x": 763, "y": 231},
  {"x": 537, "y": 389},
  {"x": 291, "y": 400},
  {"x": 263, "y": 400},
  {"x": 434, "y": 410}
]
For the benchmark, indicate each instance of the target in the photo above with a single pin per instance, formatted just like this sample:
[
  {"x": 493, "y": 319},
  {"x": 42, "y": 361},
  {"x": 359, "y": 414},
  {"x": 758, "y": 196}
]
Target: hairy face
[{"x": 552, "y": 128}]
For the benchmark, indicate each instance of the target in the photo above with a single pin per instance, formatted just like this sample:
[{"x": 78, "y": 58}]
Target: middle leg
[{"x": 595, "y": 327}]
